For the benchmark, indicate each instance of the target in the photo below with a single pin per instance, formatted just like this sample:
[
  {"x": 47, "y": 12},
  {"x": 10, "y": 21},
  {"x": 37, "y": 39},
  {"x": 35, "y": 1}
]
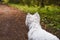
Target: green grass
[
  {"x": 50, "y": 15},
  {"x": 33, "y": 9},
  {"x": 26, "y": 8}
]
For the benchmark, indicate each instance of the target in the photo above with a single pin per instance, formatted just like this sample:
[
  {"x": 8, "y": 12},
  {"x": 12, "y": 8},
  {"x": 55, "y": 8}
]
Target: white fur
[{"x": 35, "y": 30}]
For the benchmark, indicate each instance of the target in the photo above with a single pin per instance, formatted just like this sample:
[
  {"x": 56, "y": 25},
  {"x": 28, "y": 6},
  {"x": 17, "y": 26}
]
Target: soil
[{"x": 12, "y": 24}]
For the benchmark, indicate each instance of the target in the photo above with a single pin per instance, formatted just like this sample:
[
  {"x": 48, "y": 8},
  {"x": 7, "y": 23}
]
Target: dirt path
[{"x": 12, "y": 26}]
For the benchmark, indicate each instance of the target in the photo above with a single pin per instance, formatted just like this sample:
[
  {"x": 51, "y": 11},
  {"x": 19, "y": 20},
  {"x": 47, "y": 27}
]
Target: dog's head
[{"x": 32, "y": 18}]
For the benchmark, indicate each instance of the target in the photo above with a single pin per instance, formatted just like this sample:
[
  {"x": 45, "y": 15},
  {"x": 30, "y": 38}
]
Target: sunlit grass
[
  {"x": 33, "y": 9},
  {"x": 26, "y": 8},
  {"x": 52, "y": 13}
]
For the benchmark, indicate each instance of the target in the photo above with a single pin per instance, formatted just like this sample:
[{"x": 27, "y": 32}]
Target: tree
[
  {"x": 42, "y": 3},
  {"x": 1, "y": 1},
  {"x": 28, "y": 2},
  {"x": 38, "y": 2},
  {"x": 14, "y": 1}
]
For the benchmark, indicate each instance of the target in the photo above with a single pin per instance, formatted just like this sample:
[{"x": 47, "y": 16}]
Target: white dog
[{"x": 35, "y": 30}]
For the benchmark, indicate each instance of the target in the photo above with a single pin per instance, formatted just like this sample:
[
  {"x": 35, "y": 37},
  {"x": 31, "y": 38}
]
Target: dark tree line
[
  {"x": 1, "y": 0},
  {"x": 35, "y": 2}
]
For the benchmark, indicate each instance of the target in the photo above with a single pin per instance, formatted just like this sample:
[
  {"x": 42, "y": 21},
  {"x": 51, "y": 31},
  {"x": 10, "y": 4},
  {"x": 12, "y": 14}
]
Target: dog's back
[{"x": 35, "y": 30}]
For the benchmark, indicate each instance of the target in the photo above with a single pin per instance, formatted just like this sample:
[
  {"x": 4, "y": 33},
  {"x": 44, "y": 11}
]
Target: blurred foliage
[
  {"x": 34, "y": 2},
  {"x": 50, "y": 15}
]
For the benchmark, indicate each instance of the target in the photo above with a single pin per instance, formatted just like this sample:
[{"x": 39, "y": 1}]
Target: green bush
[{"x": 50, "y": 15}]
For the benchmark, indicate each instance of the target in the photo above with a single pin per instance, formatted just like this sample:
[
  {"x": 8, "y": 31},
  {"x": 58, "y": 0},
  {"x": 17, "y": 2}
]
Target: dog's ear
[
  {"x": 28, "y": 14},
  {"x": 37, "y": 15},
  {"x": 27, "y": 17}
]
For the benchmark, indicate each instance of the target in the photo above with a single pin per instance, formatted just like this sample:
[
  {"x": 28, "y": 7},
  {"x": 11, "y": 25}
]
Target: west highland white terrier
[{"x": 35, "y": 30}]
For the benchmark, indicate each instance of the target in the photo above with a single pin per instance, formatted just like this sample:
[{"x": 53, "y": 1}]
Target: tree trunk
[
  {"x": 14, "y": 1},
  {"x": 1, "y": 1},
  {"x": 42, "y": 3}
]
